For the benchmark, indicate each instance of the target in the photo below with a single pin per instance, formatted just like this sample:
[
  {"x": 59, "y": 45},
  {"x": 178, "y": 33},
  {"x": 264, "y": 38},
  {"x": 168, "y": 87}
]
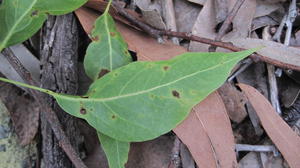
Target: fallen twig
[
  {"x": 226, "y": 25},
  {"x": 188, "y": 36},
  {"x": 256, "y": 148},
  {"x": 273, "y": 88},
  {"x": 48, "y": 112}
]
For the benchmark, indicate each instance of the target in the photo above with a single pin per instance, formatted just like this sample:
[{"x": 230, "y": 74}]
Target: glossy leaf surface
[
  {"x": 108, "y": 49},
  {"x": 144, "y": 100},
  {"x": 116, "y": 151},
  {"x": 20, "y": 19}
]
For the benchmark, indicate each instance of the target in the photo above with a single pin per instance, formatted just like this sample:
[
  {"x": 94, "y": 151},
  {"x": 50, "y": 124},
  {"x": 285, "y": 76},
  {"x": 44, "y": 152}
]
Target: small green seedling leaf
[
  {"x": 108, "y": 49},
  {"x": 144, "y": 100},
  {"x": 116, "y": 151},
  {"x": 20, "y": 19}
]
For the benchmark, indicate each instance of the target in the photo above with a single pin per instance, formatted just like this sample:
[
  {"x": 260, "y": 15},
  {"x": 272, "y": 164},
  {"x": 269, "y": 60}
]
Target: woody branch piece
[
  {"x": 49, "y": 113},
  {"x": 188, "y": 36},
  {"x": 226, "y": 25}
]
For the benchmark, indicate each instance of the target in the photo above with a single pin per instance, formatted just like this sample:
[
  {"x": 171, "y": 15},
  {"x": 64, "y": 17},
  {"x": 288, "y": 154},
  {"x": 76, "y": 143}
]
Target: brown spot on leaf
[
  {"x": 85, "y": 97},
  {"x": 34, "y": 13},
  {"x": 113, "y": 116},
  {"x": 176, "y": 94},
  {"x": 166, "y": 68},
  {"x": 82, "y": 111},
  {"x": 112, "y": 34},
  {"x": 103, "y": 72},
  {"x": 96, "y": 38}
]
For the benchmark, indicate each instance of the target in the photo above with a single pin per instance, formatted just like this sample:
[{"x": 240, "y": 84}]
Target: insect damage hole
[
  {"x": 176, "y": 94},
  {"x": 82, "y": 111},
  {"x": 103, "y": 72}
]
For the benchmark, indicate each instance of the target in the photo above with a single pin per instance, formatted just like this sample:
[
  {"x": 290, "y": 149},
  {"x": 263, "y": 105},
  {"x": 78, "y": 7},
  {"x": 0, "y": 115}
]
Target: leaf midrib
[
  {"x": 109, "y": 41},
  {"x": 10, "y": 33},
  {"x": 143, "y": 91}
]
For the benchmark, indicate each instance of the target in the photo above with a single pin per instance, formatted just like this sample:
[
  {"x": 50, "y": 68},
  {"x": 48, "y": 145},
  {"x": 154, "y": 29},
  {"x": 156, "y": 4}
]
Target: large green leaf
[
  {"x": 20, "y": 19},
  {"x": 116, "y": 151},
  {"x": 144, "y": 100},
  {"x": 108, "y": 49}
]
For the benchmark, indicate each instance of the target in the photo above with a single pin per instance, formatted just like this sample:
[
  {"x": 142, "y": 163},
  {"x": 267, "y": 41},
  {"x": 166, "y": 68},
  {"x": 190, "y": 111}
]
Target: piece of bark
[
  {"x": 59, "y": 44},
  {"x": 234, "y": 102}
]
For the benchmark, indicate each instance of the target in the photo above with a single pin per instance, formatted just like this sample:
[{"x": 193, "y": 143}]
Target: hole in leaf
[
  {"x": 83, "y": 111},
  {"x": 103, "y": 72},
  {"x": 176, "y": 94},
  {"x": 133, "y": 56},
  {"x": 85, "y": 97}
]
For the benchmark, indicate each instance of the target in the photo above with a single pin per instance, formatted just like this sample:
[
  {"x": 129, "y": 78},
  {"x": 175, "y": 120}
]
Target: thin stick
[
  {"x": 273, "y": 88},
  {"x": 226, "y": 25},
  {"x": 47, "y": 110},
  {"x": 188, "y": 36}
]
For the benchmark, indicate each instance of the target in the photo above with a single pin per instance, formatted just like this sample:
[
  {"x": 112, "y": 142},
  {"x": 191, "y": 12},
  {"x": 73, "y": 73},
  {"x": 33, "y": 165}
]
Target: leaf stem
[
  {"x": 107, "y": 7},
  {"x": 27, "y": 86}
]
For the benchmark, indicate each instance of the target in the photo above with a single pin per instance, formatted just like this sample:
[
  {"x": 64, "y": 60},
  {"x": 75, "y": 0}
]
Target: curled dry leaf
[
  {"x": 286, "y": 140},
  {"x": 208, "y": 135}
]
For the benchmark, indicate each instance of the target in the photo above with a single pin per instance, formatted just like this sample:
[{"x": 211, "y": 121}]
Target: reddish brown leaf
[
  {"x": 280, "y": 133},
  {"x": 146, "y": 47},
  {"x": 208, "y": 135}
]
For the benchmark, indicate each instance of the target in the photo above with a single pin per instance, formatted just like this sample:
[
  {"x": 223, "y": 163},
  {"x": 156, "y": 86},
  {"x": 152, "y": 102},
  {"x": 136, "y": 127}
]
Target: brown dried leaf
[
  {"x": 151, "y": 12},
  {"x": 145, "y": 46},
  {"x": 206, "y": 23},
  {"x": 265, "y": 8},
  {"x": 186, "y": 15},
  {"x": 208, "y": 135},
  {"x": 286, "y": 140},
  {"x": 277, "y": 51}
]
